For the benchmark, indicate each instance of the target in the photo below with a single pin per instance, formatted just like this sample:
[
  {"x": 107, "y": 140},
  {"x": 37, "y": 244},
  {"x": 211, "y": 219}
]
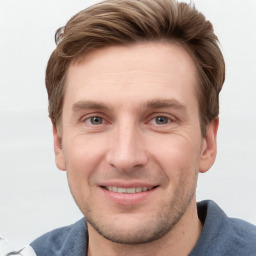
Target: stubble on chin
[{"x": 154, "y": 227}]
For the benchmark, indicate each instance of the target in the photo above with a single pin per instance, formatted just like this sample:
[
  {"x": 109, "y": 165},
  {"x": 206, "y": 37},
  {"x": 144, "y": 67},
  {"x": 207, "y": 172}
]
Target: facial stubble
[{"x": 161, "y": 222}]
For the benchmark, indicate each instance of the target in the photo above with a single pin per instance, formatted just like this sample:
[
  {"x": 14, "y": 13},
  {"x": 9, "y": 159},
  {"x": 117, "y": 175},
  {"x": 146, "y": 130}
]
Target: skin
[{"x": 131, "y": 119}]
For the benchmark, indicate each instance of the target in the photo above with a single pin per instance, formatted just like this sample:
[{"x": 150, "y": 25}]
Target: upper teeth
[{"x": 127, "y": 190}]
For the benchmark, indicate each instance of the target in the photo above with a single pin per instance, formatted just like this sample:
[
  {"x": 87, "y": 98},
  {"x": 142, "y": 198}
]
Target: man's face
[{"x": 131, "y": 139}]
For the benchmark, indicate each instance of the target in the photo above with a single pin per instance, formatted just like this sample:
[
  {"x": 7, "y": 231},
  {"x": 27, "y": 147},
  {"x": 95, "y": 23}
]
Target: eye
[
  {"x": 95, "y": 120},
  {"x": 161, "y": 120}
]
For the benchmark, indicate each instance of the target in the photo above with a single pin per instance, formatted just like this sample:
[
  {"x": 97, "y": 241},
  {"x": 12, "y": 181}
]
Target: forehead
[
  {"x": 150, "y": 56},
  {"x": 137, "y": 71}
]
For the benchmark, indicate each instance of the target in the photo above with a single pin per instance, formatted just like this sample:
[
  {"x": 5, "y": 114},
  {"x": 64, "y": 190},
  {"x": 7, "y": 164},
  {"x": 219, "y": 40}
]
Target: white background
[{"x": 34, "y": 196}]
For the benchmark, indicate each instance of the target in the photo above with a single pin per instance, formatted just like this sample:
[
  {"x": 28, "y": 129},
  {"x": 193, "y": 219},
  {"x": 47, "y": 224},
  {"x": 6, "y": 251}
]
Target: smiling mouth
[{"x": 128, "y": 190}]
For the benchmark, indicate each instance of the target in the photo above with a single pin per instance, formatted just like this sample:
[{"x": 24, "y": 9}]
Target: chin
[{"x": 131, "y": 231}]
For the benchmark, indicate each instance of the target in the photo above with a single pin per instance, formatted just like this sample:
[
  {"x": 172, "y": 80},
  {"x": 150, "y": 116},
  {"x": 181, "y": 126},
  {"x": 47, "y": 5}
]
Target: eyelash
[
  {"x": 167, "y": 119},
  {"x": 89, "y": 120}
]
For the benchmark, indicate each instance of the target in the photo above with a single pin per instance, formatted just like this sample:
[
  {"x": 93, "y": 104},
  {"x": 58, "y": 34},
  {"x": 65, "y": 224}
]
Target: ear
[
  {"x": 209, "y": 147},
  {"x": 59, "y": 156}
]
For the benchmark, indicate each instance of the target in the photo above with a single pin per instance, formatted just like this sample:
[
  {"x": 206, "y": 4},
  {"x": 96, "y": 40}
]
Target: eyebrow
[
  {"x": 154, "y": 104},
  {"x": 82, "y": 105},
  {"x": 165, "y": 103}
]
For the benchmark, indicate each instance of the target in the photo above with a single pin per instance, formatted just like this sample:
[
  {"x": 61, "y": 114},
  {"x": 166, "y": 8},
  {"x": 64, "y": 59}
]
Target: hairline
[{"x": 172, "y": 41}]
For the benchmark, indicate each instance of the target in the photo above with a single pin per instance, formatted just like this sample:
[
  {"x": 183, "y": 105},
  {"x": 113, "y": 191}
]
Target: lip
[
  {"x": 126, "y": 198},
  {"x": 126, "y": 185}
]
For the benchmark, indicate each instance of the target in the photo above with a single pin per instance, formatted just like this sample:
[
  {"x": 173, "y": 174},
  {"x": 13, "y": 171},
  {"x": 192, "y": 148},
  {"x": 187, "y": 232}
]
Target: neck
[{"x": 177, "y": 242}]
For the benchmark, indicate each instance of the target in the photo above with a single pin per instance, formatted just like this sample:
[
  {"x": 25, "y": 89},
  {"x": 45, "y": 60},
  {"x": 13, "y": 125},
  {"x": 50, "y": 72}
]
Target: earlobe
[
  {"x": 59, "y": 157},
  {"x": 209, "y": 147}
]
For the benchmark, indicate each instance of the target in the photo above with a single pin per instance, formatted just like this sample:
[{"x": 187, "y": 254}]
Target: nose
[{"x": 127, "y": 151}]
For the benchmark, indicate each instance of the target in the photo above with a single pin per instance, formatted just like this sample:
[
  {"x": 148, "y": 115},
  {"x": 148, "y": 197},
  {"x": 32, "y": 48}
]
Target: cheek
[
  {"x": 180, "y": 165},
  {"x": 83, "y": 153},
  {"x": 178, "y": 157},
  {"x": 80, "y": 167}
]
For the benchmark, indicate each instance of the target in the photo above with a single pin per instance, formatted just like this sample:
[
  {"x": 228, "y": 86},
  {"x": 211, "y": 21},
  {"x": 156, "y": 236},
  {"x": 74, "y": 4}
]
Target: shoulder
[
  {"x": 215, "y": 215},
  {"x": 222, "y": 235},
  {"x": 244, "y": 232},
  {"x": 241, "y": 237},
  {"x": 69, "y": 240}
]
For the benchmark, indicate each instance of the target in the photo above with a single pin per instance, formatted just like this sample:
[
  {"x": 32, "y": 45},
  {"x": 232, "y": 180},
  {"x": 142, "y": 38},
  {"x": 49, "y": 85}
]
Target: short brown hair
[{"x": 122, "y": 22}]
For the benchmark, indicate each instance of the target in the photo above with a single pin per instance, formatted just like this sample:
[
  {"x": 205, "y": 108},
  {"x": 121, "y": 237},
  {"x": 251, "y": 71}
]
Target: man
[{"x": 133, "y": 92}]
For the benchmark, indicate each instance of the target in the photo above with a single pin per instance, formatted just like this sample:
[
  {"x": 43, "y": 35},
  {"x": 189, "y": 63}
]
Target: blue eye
[
  {"x": 95, "y": 120},
  {"x": 161, "y": 120}
]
